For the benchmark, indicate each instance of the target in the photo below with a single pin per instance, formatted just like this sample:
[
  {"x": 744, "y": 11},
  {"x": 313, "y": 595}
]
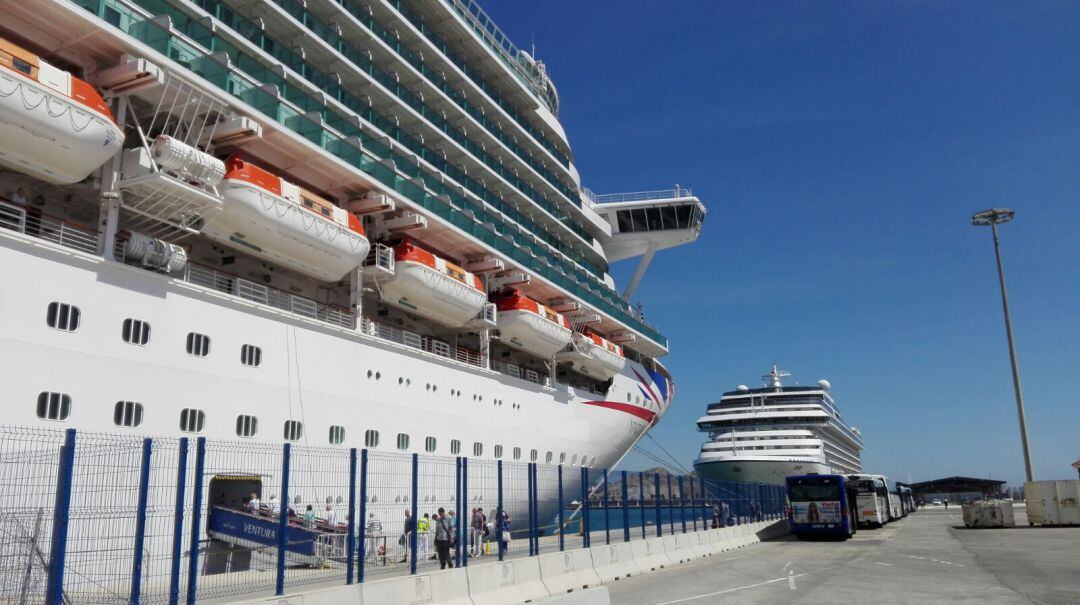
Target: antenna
[{"x": 772, "y": 379}]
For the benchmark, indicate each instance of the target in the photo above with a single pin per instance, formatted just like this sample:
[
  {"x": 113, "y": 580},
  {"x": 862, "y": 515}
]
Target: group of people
[
  {"x": 722, "y": 517},
  {"x": 308, "y": 519},
  {"x": 442, "y": 528}
]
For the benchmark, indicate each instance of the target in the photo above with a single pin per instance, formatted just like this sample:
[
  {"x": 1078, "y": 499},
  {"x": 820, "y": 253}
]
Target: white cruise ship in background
[
  {"x": 767, "y": 434},
  {"x": 330, "y": 222}
]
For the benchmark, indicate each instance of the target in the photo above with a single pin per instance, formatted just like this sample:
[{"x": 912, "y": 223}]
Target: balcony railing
[
  {"x": 638, "y": 196},
  {"x": 32, "y": 222}
]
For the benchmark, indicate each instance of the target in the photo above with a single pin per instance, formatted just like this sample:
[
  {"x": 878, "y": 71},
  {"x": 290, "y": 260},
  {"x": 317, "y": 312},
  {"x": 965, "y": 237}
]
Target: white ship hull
[
  {"x": 759, "y": 470},
  {"x": 311, "y": 371}
]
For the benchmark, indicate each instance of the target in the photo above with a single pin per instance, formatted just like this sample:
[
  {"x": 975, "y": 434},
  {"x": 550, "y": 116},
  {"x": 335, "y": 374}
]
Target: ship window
[
  {"x": 136, "y": 332},
  {"x": 198, "y": 344},
  {"x": 548, "y": 457},
  {"x": 429, "y": 444},
  {"x": 337, "y": 435},
  {"x": 308, "y": 203},
  {"x": 478, "y": 449},
  {"x": 192, "y": 420},
  {"x": 251, "y": 355},
  {"x": 517, "y": 453},
  {"x": 455, "y": 446},
  {"x": 562, "y": 457},
  {"x": 325, "y": 211},
  {"x": 625, "y": 224},
  {"x": 593, "y": 462},
  {"x": 498, "y": 451},
  {"x": 573, "y": 461},
  {"x": 246, "y": 426},
  {"x": 682, "y": 215},
  {"x": 294, "y": 430},
  {"x": 402, "y": 441},
  {"x": 53, "y": 406},
  {"x": 127, "y": 413},
  {"x": 111, "y": 16},
  {"x": 22, "y": 66},
  {"x": 371, "y": 438},
  {"x": 533, "y": 455},
  {"x": 62, "y": 316}
]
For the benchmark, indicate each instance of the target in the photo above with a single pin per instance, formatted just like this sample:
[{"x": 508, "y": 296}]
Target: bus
[
  {"x": 895, "y": 510},
  {"x": 871, "y": 500},
  {"x": 819, "y": 505},
  {"x": 907, "y": 499}
]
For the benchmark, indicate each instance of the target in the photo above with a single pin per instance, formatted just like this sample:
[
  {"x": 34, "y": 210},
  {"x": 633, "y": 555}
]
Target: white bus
[
  {"x": 871, "y": 499},
  {"x": 895, "y": 510}
]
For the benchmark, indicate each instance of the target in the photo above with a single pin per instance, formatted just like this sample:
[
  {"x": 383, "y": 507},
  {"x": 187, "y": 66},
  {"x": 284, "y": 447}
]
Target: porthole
[
  {"x": 136, "y": 332},
  {"x": 127, "y": 413},
  {"x": 337, "y": 435},
  {"x": 498, "y": 451},
  {"x": 455, "y": 446},
  {"x": 294, "y": 430},
  {"x": 533, "y": 455},
  {"x": 198, "y": 345},
  {"x": 371, "y": 438},
  {"x": 478, "y": 449},
  {"x": 548, "y": 457},
  {"x": 517, "y": 453},
  {"x": 251, "y": 355},
  {"x": 53, "y": 406},
  {"x": 402, "y": 441},
  {"x": 62, "y": 316},
  {"x": 246, "y": 425},
  {"x": 192, "y": 420},
  {"x": 430, "y": 444}
]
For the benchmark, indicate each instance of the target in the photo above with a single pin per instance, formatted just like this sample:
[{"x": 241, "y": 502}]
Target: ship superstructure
[
  {"x": 329, "y": 222},
  {"x": 766, "y": 434}
]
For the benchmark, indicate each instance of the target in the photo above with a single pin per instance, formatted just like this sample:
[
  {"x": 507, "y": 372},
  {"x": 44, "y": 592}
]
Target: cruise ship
[
  {"x": 769, "y": 433},
  {"x": 340, "y": 223}
]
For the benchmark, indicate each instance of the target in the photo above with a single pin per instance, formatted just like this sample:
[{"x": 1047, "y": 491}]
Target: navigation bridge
[{"x": 647, "y": 221}]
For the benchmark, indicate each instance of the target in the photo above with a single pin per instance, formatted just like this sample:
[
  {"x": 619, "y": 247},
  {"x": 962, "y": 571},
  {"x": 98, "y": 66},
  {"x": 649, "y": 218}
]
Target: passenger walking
[
  {"x": 253, "y": 504},
  {"x": 405, "y": 541},
  {"x": 373, "y": 534},
  {"x": 725, "y": 513},
  {"x": 502, "y": 531},
  {"x": 423, "y": 530},
  {"x": 275, "y": 506},
  {"x": 453, "y": 533},
  {"x": 477, "y": 532},
  {"x": 308, "y": 517},
  {"x": 331, "y": 516},
  {"x": 443, "y": 538}
]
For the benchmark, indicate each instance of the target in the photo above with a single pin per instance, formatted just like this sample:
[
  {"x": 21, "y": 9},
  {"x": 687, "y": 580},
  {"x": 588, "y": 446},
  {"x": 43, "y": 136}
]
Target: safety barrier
[
  {"x": 614, "y": 561},
  {"x": 503, "y": 582},
  {"x": 568, "y": 570}
]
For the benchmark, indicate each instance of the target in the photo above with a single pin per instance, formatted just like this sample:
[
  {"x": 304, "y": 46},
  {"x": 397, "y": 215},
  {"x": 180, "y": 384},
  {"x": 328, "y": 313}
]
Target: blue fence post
[
  {"x": 499, "y": 514},
  {"x": 670, "y": 505},
  {"x": 641, "y": 501},
  {"x": 607, "y": 510},
  {"x": 705, "y": 514},
  {"x": 532, "y": 511},
  {"x": 693, "y": 503},
  {"x": 196, "y": 519},
  {"x": 283, "y": 519},
  {"x": 415, "y": 497},
  {"x": 464, "y": 523},
  {"x": 350, "y": 544},
  {"x": 178, "y": 522},
  {"x": 586, "y": 541},
  {"x": 536, "y": 505},
  {"x": 682, "y": 505},
  {"x": 362, "y": 555},
  {"x": 625, "y": 509},
  {"x": 562, "y": 521},
  {"x": 54, "y": 593},
  {"x": 458, "y": 512},
  {"x": 140, "y": 523},
  {"x": 656, "y": 500}
]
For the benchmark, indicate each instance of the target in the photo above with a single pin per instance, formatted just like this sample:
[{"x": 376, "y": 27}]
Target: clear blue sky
[{"x": 841, "y": 148}]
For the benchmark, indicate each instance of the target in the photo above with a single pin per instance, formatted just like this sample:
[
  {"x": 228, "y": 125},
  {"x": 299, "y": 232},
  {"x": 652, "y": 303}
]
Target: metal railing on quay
[{"x": 92, "y": 517}]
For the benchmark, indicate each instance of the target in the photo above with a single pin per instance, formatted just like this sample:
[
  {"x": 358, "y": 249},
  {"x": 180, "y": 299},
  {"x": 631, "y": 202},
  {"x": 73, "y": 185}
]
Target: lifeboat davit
[
  {"x": 53, "y": 126},
  {"x": 431, "y": 286},
  {"x": 594, "y": 355},
  {"x": 530, "y": 326},
  {"x": 267, "y": 216}
]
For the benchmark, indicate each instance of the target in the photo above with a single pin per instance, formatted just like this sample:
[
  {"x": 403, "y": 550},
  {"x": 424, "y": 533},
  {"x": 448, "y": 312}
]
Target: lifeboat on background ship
[
  {"x": 431, "y": 286},
  {"x": 267, "y": 216},
  {"x": 530, "y": 326},
  {"x": 594, "y": 355},
  {"x": 53, "y": 126}
]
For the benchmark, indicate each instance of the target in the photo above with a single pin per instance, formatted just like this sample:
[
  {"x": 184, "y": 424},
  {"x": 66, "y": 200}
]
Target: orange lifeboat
[
  {"x": 431, "y": 286},
  {"x": 267, "y": 216},
  {"x": 594, "y": 355},
  {"x": 53, "y": 126},
  {"x": 530, "y": 326}
]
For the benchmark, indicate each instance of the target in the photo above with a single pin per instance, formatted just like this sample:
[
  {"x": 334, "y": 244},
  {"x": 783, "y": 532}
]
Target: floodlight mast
[{"x": 993, "y": 217}]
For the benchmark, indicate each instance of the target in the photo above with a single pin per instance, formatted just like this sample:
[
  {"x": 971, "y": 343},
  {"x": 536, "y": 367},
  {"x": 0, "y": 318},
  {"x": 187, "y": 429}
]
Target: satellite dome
[
  {"x": 742, "y": 387},
  {"x": 824, "y": 384}
]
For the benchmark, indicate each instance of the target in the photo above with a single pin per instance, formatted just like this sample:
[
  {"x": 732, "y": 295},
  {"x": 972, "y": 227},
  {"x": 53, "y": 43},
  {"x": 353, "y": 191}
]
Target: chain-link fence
[{"x": 96, "y": 518}]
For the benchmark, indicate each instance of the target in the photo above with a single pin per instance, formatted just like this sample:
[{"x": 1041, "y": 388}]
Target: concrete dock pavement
[{"x": 927, "y": 557}]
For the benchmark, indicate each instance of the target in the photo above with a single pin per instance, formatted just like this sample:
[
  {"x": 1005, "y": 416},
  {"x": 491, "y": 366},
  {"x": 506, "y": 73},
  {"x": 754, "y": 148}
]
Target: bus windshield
[
  {"x": 816, "y": 492},
  {"x": 862, "y": 486}
]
